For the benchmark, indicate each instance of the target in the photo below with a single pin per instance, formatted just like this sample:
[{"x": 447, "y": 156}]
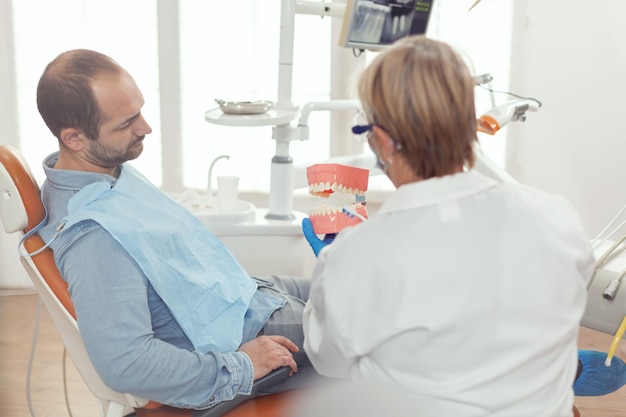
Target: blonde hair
[{"x": 420, "y": 91}]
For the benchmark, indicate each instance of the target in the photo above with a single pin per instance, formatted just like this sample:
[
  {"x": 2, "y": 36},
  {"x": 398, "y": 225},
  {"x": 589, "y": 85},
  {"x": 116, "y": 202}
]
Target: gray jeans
[{"x": 287, "y": 322}]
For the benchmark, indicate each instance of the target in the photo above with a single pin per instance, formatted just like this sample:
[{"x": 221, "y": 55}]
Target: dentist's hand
[{"x": 316, "y": 243}]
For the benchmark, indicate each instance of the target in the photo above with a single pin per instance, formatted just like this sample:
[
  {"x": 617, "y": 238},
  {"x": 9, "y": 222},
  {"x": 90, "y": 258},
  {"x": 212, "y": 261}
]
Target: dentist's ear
[
  {"x": 72, "y": 138},
  {"x": 385, "y": 146}
]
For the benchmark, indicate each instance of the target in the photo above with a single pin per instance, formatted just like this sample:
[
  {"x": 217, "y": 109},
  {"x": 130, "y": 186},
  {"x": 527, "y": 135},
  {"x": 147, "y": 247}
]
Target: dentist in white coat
[{"x": 461, "y": 291}]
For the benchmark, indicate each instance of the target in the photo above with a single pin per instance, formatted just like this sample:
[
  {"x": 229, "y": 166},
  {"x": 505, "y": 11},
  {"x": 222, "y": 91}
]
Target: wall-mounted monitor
[{"x": 374, "y": 24}]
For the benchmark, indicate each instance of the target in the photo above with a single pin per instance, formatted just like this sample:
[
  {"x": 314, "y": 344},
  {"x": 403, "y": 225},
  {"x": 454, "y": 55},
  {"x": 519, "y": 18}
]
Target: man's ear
[{"x": 72, "y": 138}]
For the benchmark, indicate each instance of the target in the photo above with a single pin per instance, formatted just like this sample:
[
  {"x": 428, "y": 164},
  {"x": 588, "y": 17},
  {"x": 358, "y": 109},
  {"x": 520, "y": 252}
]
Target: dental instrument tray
[{"x": 244, "y": 107}]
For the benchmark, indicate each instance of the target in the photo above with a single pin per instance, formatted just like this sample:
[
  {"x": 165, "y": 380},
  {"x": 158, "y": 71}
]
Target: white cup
[{"x": 227, "y": 193}]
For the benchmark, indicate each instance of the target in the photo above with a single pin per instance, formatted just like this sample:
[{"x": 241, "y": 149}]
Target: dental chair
[{"x": 21, "y": 209}]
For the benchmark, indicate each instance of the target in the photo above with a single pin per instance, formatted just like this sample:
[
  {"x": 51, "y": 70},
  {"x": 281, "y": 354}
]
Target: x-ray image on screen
[{"x": 372, "y": 24}]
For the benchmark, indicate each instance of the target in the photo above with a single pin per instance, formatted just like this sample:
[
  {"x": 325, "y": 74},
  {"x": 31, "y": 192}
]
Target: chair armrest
[{"x": 273, "y": 378}]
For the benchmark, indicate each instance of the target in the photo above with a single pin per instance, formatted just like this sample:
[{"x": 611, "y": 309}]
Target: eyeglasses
[
  {"x": 361, "y": 129},
  {"x": 363, "y": 132}
]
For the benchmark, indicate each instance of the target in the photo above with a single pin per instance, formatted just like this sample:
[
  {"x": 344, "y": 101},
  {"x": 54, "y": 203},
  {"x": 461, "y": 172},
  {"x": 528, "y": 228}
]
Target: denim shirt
[{"x": 132, "y": 338}]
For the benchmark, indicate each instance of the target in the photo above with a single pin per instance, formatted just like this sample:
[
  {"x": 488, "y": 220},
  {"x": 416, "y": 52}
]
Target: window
[
  {"x": 126, "y": 31},
  {"x": 226, "y": 50},
  {"x": 230, "y": 51},
  {"x": 484, "y": 35}
]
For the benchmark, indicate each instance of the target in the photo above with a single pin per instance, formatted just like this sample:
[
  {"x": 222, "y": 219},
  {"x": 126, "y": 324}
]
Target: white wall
[
  {"x": 574, "y": 60},
  {"x": 11, "y": 272}
]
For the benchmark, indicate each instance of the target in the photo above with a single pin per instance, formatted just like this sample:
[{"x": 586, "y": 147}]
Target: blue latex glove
[{"x": 316, "y": 243}]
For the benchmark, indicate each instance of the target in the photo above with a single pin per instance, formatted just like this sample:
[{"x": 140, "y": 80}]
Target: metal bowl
[{"x": 244, "y": 107}]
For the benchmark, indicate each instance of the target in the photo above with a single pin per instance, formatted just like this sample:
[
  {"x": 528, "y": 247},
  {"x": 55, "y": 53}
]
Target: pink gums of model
[{"x": 327, "y": 179}]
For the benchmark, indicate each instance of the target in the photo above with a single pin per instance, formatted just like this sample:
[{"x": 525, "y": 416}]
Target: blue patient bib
[{"x": 203, "y": 285}]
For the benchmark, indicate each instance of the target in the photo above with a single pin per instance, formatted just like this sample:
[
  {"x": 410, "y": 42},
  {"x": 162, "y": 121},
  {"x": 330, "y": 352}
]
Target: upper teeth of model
[{"x": 325, "y": 186}]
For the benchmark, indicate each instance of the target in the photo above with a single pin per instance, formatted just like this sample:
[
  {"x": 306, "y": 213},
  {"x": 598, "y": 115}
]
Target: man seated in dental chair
[{"x": 165, "y": 310}]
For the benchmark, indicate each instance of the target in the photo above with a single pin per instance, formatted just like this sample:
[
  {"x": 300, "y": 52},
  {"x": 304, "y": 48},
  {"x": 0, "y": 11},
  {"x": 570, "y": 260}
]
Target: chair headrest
[{"x": 20, "y": 202}]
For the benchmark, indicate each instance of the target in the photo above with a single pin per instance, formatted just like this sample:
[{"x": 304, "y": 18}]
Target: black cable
[{"x": 511, "y": 94}]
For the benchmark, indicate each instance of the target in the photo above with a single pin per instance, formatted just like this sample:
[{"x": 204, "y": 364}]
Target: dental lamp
[{"x": 499, "y": 116}]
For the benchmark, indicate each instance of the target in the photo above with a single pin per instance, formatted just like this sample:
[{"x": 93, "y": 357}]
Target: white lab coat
[{"x": 464, "y": 291}]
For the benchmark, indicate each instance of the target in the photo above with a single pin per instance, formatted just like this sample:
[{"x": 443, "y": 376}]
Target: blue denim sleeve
[{"x": 110, "y": 295}]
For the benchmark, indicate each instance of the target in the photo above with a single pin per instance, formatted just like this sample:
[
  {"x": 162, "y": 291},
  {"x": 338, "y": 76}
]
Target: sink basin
[{"x": 213, "y": 218}]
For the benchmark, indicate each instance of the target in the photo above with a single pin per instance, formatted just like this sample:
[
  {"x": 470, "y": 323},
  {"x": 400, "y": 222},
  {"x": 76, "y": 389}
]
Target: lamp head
[{"x": 499, "y": 116}]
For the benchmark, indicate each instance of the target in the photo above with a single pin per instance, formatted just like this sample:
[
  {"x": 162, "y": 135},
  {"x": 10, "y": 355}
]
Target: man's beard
[{"x": 108, "y": 157}]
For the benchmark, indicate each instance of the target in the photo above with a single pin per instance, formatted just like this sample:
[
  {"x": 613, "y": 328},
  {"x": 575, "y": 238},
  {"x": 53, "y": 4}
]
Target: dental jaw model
[{"x": 344, "y": 187}]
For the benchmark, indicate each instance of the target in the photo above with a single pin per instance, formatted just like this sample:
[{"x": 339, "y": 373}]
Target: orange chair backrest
[{"x": 30, "y": 195}]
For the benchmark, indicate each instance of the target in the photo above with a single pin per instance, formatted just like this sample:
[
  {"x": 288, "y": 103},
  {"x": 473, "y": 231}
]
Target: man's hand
[
  {"x": 316, "y": 243},
  {"x": 270, "y": 352}
]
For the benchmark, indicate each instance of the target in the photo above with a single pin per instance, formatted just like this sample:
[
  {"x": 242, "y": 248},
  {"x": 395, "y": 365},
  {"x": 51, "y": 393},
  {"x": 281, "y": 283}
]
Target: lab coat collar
[{"x": 437, "y": 190}]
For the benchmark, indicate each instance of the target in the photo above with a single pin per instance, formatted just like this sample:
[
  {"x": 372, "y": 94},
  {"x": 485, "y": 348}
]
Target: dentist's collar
[{"x": 437, "y": 190}]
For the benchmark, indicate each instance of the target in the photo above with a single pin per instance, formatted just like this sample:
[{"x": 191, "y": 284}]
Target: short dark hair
[{"x": 65, "y": 96}]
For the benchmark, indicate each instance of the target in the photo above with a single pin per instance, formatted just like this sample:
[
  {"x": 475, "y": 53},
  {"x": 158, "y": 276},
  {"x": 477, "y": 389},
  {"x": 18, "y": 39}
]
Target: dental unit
[
  {"x": 499, "y": 116},
  {"x": 275, "y": 231}
]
